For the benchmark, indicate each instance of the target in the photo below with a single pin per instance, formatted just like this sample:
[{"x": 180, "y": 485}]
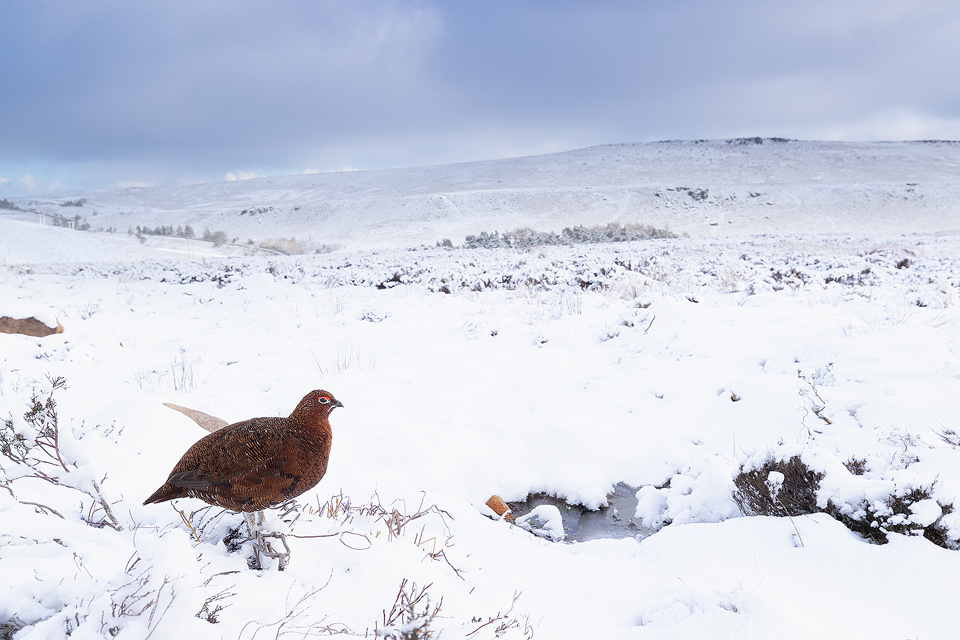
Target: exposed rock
[{"x": 500, "y": 507}]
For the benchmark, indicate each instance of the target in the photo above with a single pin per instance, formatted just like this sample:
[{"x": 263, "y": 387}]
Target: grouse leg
[
  {"x": 254, "y": 519},
  {"x": 261, "y": 546}
]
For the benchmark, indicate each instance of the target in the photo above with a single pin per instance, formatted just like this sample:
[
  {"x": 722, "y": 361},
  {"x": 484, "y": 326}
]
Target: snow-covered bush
[
  {"x": 31, "y": 450},
  {"x": 787, "y": 486},
  {"x": 907, "y": 511}
]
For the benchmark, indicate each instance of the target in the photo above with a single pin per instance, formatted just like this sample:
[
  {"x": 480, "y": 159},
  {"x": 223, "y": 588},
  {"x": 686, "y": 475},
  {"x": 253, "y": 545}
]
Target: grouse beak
[{"x": 337, "y": 404}]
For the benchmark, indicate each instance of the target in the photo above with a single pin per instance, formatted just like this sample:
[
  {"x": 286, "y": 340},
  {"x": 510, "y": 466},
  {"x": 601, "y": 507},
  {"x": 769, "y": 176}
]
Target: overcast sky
[{"x": 111, "y": 93}]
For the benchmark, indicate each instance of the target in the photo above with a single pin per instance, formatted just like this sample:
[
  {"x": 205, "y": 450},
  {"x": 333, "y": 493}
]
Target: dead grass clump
[
  {"x": 778, "y": 488},
  {"x": 789, "y": 488}
]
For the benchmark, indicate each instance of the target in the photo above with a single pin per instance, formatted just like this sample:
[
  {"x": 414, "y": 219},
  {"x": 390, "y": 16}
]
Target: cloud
[
  {"x": 347, "y": 169},
  {"x": 204, "y": 87},
  {"x": 242, "y": 175},
  {"x": 896, "y": 124},
  {"x": 23, "y": 185},
  {"x": 133, "y": 185},
  {"x": 217, "y": 77}
]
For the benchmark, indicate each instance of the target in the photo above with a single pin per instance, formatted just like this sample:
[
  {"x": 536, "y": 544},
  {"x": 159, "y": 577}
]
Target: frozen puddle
[{"x": 580, "y": 524}]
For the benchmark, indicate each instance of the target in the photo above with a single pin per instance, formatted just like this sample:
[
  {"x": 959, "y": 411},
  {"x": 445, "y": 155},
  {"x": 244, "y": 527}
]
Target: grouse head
[{"x": 316, "y": 405}]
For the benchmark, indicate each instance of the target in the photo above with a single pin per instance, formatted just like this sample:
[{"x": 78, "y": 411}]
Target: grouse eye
[{"x": 323, "y": 400}]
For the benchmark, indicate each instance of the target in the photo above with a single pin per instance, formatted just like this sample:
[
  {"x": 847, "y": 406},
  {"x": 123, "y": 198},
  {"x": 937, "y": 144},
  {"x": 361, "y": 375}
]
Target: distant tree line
[
  {"x": 526, "y": 237},
  {"x": 166, "y": 230}
]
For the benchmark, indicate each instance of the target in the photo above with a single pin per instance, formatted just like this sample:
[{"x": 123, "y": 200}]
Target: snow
[
  {"x": 726, "y": 188},
  {"x": 670, "y": 365},
  {"x": 544, "y": 520}
]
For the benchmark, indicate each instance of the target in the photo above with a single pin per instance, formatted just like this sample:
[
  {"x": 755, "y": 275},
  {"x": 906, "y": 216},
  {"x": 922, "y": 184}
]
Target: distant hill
[{"x": 745, "y": 186}]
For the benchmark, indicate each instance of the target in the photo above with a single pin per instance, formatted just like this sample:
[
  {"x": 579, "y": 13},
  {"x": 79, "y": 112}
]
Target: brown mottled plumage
[{"x": 258, "y": 463}]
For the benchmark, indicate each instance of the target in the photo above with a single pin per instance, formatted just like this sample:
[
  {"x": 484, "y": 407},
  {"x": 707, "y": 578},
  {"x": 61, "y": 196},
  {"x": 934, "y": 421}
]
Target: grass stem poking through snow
[{"x": 404, "y": 621}]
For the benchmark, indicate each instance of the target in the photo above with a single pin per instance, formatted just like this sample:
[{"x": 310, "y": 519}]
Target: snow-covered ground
[
  {"x": 669, "y": 365},
  {"x": 703, "y": 188}
]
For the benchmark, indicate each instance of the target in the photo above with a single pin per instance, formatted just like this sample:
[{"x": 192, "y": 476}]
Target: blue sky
[{"x": 112, "y": 93}]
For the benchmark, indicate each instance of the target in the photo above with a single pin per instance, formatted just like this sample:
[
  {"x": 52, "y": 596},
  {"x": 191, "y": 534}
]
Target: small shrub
[
  {"x": 212, "y": 606},
  {"x": 950, "y": 436},
  {"x": 406, "y": 620},
  {"x": 792, "y": 278},
  {"x": 34, "y": 452},
  {"x": 789, "y": 488},
  {"x": 764, "y": 493},
  {"x": 254, "y": 211},
  {"x": 875, "y": 520},
  {"x": 856, "y": 466},
  {"x": 10, "y": 627},
  {"x": 862, "y": 279}
]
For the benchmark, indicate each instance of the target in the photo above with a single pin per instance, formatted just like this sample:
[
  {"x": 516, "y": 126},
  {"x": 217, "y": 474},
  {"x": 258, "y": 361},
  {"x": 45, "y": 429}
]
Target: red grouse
[{"x": 258, "y": 463}]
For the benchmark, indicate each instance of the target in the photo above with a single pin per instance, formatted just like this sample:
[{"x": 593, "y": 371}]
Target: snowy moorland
[
  {"x": 716, "y": 188},
  {"x": 778, "y": 394}
]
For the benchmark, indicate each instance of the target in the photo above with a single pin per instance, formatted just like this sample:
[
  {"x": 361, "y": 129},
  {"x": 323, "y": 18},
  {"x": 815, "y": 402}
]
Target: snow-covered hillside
[
  {"x": 704, "y": 188},
  {"x": 676, "y": 370}
]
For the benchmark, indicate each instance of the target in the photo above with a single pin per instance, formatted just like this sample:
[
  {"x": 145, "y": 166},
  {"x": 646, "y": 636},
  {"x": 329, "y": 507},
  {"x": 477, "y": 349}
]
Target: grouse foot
[{"x": 261, "y": 547}]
